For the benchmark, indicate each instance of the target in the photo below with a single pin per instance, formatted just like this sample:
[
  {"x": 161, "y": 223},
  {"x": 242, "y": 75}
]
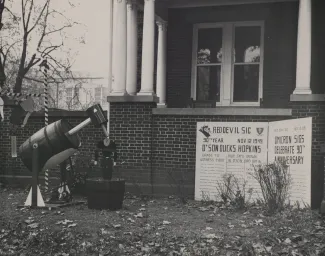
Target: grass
[{"x": 156, "y": 227}]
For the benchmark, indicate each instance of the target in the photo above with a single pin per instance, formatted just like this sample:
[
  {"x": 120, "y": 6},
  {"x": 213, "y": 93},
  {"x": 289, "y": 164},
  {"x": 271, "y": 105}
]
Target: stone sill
[
  {"x": 307, "y": 97},
  {"x": 223, "y": 111},
  {"x": 131, "y": 98}
]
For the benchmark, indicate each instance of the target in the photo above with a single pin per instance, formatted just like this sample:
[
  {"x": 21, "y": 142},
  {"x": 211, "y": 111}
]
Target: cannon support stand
[{"x": 35, "y": 198}]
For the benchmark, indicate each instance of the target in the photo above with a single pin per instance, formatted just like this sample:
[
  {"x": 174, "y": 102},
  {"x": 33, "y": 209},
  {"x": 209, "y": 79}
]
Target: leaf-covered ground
[{"x": 156, "y": 227}]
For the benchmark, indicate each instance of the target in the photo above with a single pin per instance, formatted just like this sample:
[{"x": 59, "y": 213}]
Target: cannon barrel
[{"x": 55, "y": 145}]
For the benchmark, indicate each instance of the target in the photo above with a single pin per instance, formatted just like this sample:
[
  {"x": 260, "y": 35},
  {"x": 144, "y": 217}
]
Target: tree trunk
[
  {"x": 2, "y": 75},
  {"x": 21, "y": 70}
]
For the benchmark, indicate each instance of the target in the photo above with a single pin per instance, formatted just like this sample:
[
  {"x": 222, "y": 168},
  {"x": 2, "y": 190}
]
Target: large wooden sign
[
  {"x": 238, "y": 147},
  {"x": 290, "y": 140}
]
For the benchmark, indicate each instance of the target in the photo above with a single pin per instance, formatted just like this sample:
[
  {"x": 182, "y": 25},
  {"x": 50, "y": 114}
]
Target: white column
[
  {"x": 110, "y": 43},
  {"x": 148, "y": 47},
  {"x": 132, "y": 47},
  {"x": 303, "y": 49},
  {"x": 110, "y": 47},
  {"x": 119, "y": 49},
  {"x": 161, "y": 62}
]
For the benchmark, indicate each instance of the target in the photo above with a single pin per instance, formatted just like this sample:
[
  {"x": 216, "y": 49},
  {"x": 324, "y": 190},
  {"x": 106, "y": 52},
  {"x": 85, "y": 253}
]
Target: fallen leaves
[
  {"x": 165, "y": 222},
  {"x": 159, "y": 227},
  {"x": 34, "y": 225},
  {"x": 139, "y": 215}
]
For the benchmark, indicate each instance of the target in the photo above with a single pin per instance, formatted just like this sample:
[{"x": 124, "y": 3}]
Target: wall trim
[
  {"x": 307, "y": 97},
  {"x": 131, "y": 98},
  {"x": 223, "y": 111},
  {"x": 203, "y": 3}
]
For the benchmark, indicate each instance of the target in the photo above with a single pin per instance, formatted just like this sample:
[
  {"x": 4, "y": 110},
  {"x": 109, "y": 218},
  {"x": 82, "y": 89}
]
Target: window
[
  {"x": 69, "y": 96},
  {"x": 76, "y": 96},
  {"x": 227, "y": 63},
  {"x": 98, "y": 95}
]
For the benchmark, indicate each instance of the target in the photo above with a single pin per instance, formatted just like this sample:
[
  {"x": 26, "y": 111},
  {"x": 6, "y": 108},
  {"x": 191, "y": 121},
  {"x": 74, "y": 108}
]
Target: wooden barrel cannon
[{"x": 55, "y": 145}]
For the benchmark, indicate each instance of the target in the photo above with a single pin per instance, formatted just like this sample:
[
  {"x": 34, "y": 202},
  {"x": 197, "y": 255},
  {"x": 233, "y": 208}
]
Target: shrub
[
  {"x": 79, "y": 172},
  {"x": 233, "y": 191},
  {"x": 275, "y": 181}
]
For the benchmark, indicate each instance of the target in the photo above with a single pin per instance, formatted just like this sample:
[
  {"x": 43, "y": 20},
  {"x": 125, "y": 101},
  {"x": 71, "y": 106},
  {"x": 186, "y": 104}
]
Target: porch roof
[{"x": 162, "y": 6}]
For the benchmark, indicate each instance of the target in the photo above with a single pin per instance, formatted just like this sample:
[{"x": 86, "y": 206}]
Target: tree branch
[
  {"x": 45, "y": 53},
  {"x": 39, "y": 17},
  {"x": 12, "y": 14},
  {"x": 38, "y": 80},
  {"x": 60, "y": 29},
  {"x": 5, "y": 55},
  {"x": 23, "y": 8},
  {"x": 31, "y": 63},
  {"x": 2, "y": 7},
  {"x": 29, "y": 14},
  {"x": 44, "y": 28}
]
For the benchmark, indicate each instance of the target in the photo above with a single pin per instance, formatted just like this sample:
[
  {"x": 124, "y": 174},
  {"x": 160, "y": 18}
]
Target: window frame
[{"x": 227, "y": 65}]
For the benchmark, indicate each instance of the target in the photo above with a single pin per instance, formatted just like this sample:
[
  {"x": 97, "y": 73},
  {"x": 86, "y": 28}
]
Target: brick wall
[
  {"x": 170, "y": 141},
  {"x": 159, "y": 150},
  {"x": 279, "y": 50},
  {"x": 130, "y": 127},
  {"x": 13, "y": 166}
]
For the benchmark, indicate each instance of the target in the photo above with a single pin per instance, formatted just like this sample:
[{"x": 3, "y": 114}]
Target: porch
[{"x": 195, "y": 60}]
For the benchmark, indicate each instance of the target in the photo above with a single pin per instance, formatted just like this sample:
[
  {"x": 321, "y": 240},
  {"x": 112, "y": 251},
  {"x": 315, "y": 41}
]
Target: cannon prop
[{"x": 54, "y": 144}]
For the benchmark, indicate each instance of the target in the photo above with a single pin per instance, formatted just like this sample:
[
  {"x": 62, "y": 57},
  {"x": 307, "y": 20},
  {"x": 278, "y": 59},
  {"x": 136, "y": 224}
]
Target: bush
[
  {"x": 78, "y": 173},
  {"x": 233, "y": 191},
  {"x": 275, "y": 181}
]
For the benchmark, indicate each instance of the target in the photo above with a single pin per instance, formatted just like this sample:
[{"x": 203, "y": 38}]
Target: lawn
[{"x": 163, "y": 226}]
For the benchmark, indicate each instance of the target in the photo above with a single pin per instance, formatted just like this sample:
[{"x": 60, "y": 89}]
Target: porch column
[
  {"x": 119, "y": 49},
  {"x": 110, "y": 43},
  {"x": 132, "y": 47},
  {"x": 110, "y": 48},
  {"x": 161, "y": 63},
  {"x": 148, "y": 47},
  {"x": 303, "y": 48}
]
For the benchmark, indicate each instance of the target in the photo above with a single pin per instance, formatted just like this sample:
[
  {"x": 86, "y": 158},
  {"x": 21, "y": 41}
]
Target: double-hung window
[
  {"x": 69, "y": 95},
  {"x": 228, "y": 63}
]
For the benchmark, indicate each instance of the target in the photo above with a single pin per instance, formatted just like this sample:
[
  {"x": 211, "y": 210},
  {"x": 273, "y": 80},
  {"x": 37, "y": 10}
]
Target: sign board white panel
[
  {"x": 290, "y": 140},
  {"x": 236, "y": 147},
  {"x": 227, "y": 147}
]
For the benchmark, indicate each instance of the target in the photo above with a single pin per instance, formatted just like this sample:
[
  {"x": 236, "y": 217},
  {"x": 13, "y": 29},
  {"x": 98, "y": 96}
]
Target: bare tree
[
  {"x": 43, "y": 25},
  {"x": 58, "y": 85}
]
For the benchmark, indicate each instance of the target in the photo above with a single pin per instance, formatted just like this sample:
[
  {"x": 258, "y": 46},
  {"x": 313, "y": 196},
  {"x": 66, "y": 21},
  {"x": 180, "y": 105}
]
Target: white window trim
[{"x": 226, "y": 95}]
